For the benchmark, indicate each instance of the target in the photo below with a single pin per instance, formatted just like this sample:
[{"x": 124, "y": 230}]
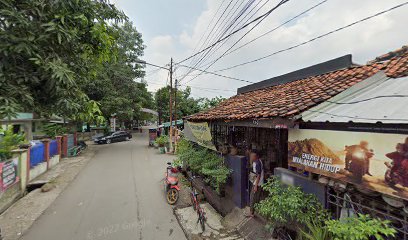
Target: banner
[
  {"x": 376, "y": 161},
  {"x": 8, "y": 173},
  {"x": 200, "y": 133}
]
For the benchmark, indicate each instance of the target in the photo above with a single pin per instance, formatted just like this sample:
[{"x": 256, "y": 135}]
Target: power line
[
  {"x": 252, "y": 28},
  {"x": 235, "y": 27},
  {"x": 232, "y": 30},
  {"x": 315, "y": 38},
  {"x": 195, "y": 87},
  {"x": 219, "y": 34},
  {"x": 216, "y": 74},
  {"x": 229, "y": 35},
  {"x": 208, "y": 26},
  {"x": 210, "y": 36},
  {"x": 276, "y": 28}
]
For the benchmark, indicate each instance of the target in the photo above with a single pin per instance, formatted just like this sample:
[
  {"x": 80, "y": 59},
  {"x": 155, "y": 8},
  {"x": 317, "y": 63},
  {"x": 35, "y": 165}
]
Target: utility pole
[
  {"x": 175, "y": 115},
  {"x": 171, "y": 105}
]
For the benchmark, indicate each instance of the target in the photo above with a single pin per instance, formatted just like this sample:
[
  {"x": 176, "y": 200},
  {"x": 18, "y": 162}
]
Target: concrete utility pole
[{"x": 171, "y": 104}]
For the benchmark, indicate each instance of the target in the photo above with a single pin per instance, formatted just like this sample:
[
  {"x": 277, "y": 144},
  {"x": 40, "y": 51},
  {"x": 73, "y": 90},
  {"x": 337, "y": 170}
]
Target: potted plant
[{"x": 161, "y": 142}]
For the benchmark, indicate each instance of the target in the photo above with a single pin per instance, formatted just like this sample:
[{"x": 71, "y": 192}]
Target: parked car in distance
[{"x": 113, "y": 137}]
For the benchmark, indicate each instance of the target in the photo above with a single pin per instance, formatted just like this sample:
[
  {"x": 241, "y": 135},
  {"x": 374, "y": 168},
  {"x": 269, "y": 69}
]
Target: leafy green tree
[
  {"x": 207, "y": 103},
  {"x": 186, "y": 104},
  {"x": 48, "y": 49},
  {"x": 115, "y": 87}
]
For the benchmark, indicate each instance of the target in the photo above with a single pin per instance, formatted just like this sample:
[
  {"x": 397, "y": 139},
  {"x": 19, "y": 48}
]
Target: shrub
[
  {"x": 204, "y": 162},
  {"x": 9, "y": 142},
  {"x": 360, "y": 228},
  {"x": 287, "y": 205},
  {"x": 162, "y": 140},
  {"x": 54, "y": 129}
]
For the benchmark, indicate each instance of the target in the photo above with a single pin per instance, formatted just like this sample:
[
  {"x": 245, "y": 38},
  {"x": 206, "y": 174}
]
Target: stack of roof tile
[{"x": 291, "y": 98}]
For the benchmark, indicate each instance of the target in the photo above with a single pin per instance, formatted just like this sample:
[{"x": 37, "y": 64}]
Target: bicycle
[{"x": 196, "y": 205}]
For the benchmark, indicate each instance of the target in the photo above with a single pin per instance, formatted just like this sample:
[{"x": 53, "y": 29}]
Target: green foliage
[
  {"x": 289, "y": 205},
  {"x": 360, "y": 228},
  {"x": 75, "y": 59},
  {"x": 54, "y": 129},
  {"x": 48, "y": 49},
  {"x": 91, "y": 113},
  {"x": 206, "y": 103},
  {"x": 315, "y": 231},
  {"x": 115, "y": 87},
  {"x": 186, "y": 105},
  {"x": 162, "y": 140},
  {"x": 204, "y": 162},
  {"x": 9, "y": 142}
]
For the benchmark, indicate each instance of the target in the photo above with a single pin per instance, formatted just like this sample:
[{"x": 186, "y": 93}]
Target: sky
[{"x": 174, "y": 28}]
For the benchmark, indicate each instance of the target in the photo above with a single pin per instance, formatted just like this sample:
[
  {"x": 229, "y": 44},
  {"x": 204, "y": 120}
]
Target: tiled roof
[{"x": 291, "y": 98}]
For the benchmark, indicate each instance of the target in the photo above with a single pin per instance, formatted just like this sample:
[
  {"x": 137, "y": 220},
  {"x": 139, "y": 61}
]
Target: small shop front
[{"x": 234, "y": 140}]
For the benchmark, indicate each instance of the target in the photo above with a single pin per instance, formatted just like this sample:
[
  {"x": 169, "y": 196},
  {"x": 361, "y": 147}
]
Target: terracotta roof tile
[{"x": 288, "y": 99}]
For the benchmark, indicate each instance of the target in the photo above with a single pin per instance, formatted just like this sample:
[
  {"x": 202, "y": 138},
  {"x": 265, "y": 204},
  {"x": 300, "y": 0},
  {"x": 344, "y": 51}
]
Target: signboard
[
  {"x": 200, "y": 133},
  {"x": 376, "y": 161},
  {"x": 8, "y": 173}
]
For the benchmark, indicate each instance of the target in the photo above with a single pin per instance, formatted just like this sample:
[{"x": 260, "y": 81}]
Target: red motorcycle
[
  {"x": 171, "y": 187},
  {"x": 397, "y": 172}
]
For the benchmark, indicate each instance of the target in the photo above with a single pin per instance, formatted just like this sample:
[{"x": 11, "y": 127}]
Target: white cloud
[{"x": 365, "y": 40}]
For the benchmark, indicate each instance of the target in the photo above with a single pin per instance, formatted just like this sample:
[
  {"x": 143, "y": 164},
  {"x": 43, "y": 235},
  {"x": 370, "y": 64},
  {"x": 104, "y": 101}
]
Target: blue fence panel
[
  {"x": 36, "y": 154},
  {"x": 53, "y": 148},
  {"x": 70, "y": 141}
]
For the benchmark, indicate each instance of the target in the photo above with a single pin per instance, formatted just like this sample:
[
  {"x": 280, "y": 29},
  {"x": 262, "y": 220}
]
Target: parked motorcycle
[
  {"x": 397, "y": 172},
  {"x": 171, "y": 187}
]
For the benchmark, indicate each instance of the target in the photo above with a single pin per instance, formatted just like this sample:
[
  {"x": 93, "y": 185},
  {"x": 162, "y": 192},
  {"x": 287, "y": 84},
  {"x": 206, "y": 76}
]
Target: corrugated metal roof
[{"x": 376, "y": 99}]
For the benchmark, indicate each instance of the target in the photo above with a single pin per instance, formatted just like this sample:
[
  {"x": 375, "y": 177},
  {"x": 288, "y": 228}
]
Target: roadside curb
[{"x": 186, "y": 234}]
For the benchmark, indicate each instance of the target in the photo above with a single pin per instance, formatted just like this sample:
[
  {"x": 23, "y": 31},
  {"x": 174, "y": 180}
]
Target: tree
[
  {"x": 115, "y": 87},
  {"x": 49, "y": 49},
  {"x": 75, "y": 59},
  {"x": 186, "y": 105},
  {"x": 207, "y": 103}
]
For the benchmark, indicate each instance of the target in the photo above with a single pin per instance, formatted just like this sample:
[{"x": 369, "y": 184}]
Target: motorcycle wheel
[
  {"x": 357, "y": 172},
  {"x": 172, "y": 196}
]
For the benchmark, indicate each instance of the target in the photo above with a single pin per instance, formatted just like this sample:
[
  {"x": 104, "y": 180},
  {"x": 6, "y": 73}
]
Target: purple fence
[
  {"x": 53, "y": 148},
  {"x": 36, "y": 154}
]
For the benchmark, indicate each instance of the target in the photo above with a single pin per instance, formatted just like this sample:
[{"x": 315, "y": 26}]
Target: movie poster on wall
[{"x": 376, "y": 161}]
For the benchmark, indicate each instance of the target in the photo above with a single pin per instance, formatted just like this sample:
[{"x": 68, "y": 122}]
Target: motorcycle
[
  {"x": 358, "y": 162},
  {"x": 171, "y": 187},
  {"x": 397, "y": 169}
]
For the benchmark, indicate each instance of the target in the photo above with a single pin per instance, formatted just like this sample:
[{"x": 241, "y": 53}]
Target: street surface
[{"x": 118, "y": 195}]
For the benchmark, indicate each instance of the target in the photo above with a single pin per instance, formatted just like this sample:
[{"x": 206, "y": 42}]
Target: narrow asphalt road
[{"x": 118, "y": 195}]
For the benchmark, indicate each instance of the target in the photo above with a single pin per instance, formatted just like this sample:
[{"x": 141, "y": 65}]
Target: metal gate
[{"x": 374, "y": 206}]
